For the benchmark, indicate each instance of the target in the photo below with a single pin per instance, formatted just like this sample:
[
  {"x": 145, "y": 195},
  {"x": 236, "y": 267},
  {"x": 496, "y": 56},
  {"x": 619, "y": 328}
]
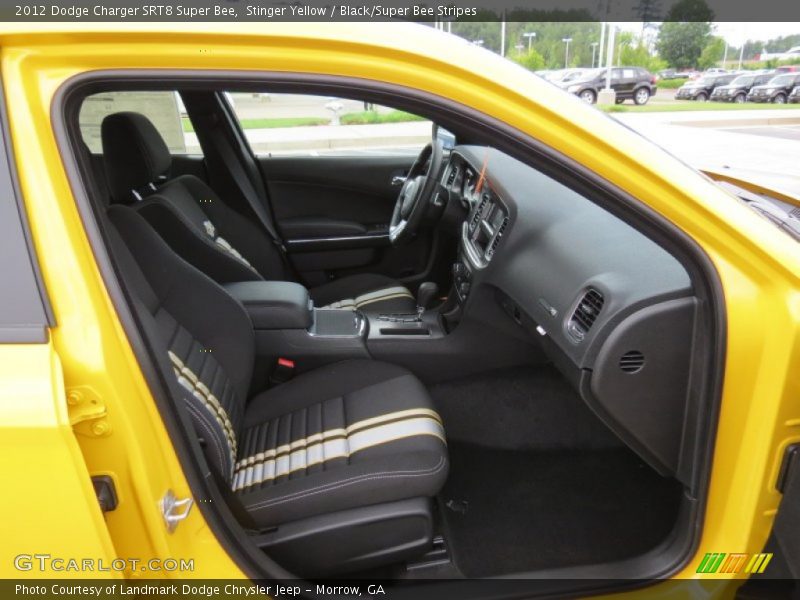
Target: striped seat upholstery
[{"x": 344, "y": 436}]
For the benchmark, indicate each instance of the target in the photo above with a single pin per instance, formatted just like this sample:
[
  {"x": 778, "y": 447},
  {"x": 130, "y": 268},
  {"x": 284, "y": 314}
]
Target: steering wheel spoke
[{"x": 416, "y": 193}]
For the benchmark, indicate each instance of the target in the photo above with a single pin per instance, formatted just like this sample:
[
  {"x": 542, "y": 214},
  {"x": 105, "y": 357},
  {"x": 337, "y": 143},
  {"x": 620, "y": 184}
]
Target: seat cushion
[
  {"x": 366, "y": 291},
  {"x": 347, "y": 435}
]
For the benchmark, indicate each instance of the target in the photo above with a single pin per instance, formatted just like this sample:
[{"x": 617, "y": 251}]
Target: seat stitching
[{"x": 346, "y": 482}]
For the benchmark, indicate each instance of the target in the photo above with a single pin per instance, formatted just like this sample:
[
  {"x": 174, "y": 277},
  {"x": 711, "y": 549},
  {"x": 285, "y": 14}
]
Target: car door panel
[{"x": 334, "y": 212}]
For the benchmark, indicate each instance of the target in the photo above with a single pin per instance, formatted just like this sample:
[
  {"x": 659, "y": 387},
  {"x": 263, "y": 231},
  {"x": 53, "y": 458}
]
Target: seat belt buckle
[{"x": 283, "y": 371}]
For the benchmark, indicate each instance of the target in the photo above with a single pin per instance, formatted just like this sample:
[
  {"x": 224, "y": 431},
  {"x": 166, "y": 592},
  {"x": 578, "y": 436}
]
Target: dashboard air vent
[
  {"x": 631, "y": 362},
  {"x": 476, "y": 218},
  {"x": 496, "y": 239},
  {"x": 585, "y": 314}
]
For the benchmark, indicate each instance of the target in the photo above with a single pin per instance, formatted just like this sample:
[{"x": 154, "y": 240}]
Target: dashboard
[{"x": 612, "y": 310}]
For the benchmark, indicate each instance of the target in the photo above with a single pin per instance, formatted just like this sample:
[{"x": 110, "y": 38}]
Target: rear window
[{"x": 781, "y": 80}]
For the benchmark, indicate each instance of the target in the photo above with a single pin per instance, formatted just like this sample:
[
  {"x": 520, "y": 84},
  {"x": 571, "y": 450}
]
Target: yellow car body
[{"x": 82, "y": 407}]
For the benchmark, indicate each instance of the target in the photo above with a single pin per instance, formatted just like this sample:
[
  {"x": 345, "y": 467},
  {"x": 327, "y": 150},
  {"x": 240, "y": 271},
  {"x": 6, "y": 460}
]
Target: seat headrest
[{"x": 134, "y": 153}]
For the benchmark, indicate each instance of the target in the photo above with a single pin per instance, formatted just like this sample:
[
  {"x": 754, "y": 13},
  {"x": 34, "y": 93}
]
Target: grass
[
  {"x": 671, "y": 84},
  {"x": 369, "y": 117},
  {"x": 270, "y": 123},
  {"x": 689, "y": 106}
]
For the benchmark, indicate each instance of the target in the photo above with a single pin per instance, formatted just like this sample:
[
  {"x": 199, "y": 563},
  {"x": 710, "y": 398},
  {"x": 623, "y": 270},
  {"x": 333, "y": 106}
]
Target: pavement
[{"x": 762, "y": 144}]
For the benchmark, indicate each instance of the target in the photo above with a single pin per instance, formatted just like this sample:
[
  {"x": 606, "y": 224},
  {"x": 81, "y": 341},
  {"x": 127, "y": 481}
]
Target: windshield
[
  {"x": 781, "y": 80},
  {"x": 743, "y": 80}
]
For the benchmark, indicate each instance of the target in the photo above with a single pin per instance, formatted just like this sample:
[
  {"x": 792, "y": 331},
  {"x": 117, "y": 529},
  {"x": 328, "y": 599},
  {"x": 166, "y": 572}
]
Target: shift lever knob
[{"x": 425, "y": 294}]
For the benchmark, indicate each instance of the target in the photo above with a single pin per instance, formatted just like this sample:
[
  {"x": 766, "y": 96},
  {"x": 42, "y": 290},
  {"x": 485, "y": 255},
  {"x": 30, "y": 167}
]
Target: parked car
[
  {"x": 736, "y": 90},
  {"x": 794, "y": 97},
  {"x": 629, "y": 83},
  {"x": 776, "y": 90},
  {"x": 673, "y": 74},
  {"x": 702, "y": 88},
  {"x": 715, "y": 71},
  {"x": 787, "y": 69},
  {"x": 566, "y": 75}
]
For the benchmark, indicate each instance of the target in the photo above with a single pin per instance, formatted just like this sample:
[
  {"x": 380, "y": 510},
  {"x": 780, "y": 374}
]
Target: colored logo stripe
[{"x": 721, "y": 562}]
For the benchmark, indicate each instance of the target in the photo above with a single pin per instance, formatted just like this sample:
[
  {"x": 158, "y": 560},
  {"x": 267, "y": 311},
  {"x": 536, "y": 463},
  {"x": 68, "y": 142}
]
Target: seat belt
[
  {"x": 222, "y": 145},
  {"x": 242, "y": 180}
]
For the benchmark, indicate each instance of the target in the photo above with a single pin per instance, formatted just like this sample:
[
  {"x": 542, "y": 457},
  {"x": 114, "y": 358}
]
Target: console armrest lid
[{"x": 274, "y": 304}]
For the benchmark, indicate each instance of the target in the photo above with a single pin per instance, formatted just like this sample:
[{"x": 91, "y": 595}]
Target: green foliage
[
  {"x": 369, "y": 117},
  {"x": 547, "y": 42},
  {"x": 639, "y": 56},
  {"x": 532, "y": 60},
  {"x": 712, "y": 54},
  {"x": 681, "y": 43},
  {"x": 670, "y": 84}
]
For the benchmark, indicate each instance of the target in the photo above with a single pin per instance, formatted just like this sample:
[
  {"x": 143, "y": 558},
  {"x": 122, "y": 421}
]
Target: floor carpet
[{"x": 509, "y": 511}]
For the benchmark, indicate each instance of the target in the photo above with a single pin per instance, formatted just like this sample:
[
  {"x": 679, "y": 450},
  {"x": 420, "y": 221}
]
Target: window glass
[
  {"x": 164, "y": 109},
  {"x": 628, "y": 74},
  {"x": 299, "y": 124}
]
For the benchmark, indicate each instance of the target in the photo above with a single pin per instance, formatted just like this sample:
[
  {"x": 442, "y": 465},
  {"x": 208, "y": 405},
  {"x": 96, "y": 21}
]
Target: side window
[
  {"x": 628, "y": 74},
  {"x": 298, "y": 124},
  {"x": 164, "y": 109},
  {"x": 616, "y": 74}
]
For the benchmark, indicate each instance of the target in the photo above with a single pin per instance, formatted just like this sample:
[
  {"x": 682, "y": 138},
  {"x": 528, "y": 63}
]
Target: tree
[
  {"x": 685, "y": 33},
  {"x": 712, "y": 54},
  {"x": 532, "y": 60},
  {"x": 681, "y": 44},
  {"x": 639, "y": 56}
]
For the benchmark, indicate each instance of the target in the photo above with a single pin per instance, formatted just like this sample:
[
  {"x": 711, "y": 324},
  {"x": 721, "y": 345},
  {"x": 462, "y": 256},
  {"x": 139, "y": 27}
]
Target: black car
[
  {"x": 776, "y": 90},
  {"x": 701, "y": 89},
  {"x": 736, "y": 90},
  {"x": 629, "y": 83},
  {"x": 794, "y": 97}
]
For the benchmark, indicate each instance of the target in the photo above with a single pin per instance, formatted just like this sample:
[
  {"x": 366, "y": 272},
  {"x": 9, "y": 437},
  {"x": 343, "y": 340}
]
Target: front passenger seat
[
  {"x": 209, "y": 234},
  {"x": 336, "y": 468}
]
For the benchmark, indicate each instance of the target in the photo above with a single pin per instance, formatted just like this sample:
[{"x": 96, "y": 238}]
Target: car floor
[{"x": 538, "y": 482}]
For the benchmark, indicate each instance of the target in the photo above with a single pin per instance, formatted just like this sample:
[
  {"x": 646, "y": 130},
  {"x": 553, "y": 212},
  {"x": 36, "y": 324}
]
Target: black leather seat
[
  {"x": 207, "y": 232},
  {"x": 339, "y": 465}
]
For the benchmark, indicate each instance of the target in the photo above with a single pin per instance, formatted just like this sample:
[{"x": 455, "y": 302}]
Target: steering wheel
[{"x": 415, "y": 195}]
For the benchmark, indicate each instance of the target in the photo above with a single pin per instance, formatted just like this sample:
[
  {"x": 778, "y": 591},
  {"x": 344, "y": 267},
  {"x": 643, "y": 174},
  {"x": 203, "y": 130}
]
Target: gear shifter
[{"x": 425, "y": 294}]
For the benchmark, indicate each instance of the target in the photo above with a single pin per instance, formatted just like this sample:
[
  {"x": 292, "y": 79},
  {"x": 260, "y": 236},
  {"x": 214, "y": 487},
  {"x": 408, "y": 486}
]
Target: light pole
[
  {"x": 566, "y": 51},
  {"x": 530, "y": 35},
  {"x": 741, "y": 54},
  {"x": 602, "y": 44},
  {"x": 594, "y": 47}
]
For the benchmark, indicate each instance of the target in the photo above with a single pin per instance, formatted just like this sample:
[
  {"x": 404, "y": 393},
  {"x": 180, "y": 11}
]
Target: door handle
[{"x": 398, "y": 180}]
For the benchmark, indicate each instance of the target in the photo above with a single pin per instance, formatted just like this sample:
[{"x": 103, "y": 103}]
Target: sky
[{"x": 735, "y": 33}]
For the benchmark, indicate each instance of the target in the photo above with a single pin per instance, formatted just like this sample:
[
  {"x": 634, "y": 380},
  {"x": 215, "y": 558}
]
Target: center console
[{"x": 287, "y": 325}]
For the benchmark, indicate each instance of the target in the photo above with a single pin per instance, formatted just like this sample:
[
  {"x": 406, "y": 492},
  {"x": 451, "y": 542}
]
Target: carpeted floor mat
[{"x": 508, "y": 511}]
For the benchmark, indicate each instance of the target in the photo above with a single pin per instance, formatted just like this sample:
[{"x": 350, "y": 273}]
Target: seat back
[
  {"x": 185, "y": 211},
  {"x": 212, "y": 358}
]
